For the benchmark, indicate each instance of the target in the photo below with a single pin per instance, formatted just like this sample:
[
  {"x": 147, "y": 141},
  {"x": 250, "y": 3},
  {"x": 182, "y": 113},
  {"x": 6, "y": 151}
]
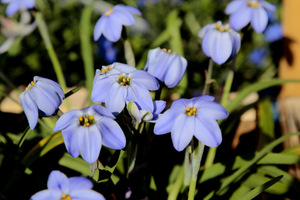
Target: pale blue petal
[
  {"x": 100, "y": 27},
  {"x": 116, "y": 98},
  {"x": 58, "y": 181},
  {"x": 48, "y": 84},
  {"x": 207, "y": 42},
  {"x": 234, "y": 6},
  {"x": 203, "y": 97},
  {"x": 140, "y": 95},
  {"x": 112, "y": 30},
  {"x": 159, "y": 106},
  {"x": 152, "y": 55},
  {"x": 144, "y": 78},
  {"x": 236, "y": 42},
  {"x": 12, "y": 8},
  {"x": 207, "y": 131},
  {"x": 30, "y": 109},
  {"x": 112, "y": 135},
  {"x": 67, "y": 119},
  {"x": 222, "y": 48},
  {"x": 123, "y": 16},
  {"x": 211, "y": 110},
  {"x": 79, "y": 183},
  {"x": 46, "y": 195},
  {"x": 157, "y": 63},
  {"x": 181, "y": 104},
  {"x": 182, "y": 131},
  {"x": 165, "y": 122},
  {"x": 268, "y": 6},
  {"x": 86, "y": 195},
  {"x": 129, "y": 9},
  {"x": 101, "y": 88},
  {"x": 122, "y": 68},
  {"x": 175, "y": 71},
  {"x": 90, "y": 142},
  {"x": 241, "y": 18},
  {"x": 28, "y": 3},
  {"x": 259, "y": 19},
  {"x": 205, "y": 28},
  {"x": 103, "y": 111},
  {"x": 70, "y": 136}
]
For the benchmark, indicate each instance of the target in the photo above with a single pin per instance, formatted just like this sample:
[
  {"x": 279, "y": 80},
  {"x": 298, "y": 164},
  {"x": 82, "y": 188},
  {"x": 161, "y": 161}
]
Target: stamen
[
  {"x": 190, "y": 111},
  {"x": 65, "y": 197},
  {"x": 32, "y": 83},
  {"x": 109, "y": 11},
  {"x": 188, "y": 108},
  {"x": 86, "y": 120},
  {"x": 253, "y": 4},
  {"x": 103, "y": 70},
  {"x": 164, "y": 49},
  {"x": 124, "y": 80},
  {"x": 120, "y": 76},
  {"x": 80, "y": 118}
]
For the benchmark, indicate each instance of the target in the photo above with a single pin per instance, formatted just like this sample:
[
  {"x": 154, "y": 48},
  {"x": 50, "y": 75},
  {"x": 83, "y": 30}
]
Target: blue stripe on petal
[
  {"x": 212, "y": 110},
  {"x": 140, "y": 95},
  {"x": 123, "y": 16},
  {"x": 112, "y": 135},
  {"x": 90, "y": 142},
  {"x": 70, "y": 135},
  {"x": 165, "y": 123},
  {"x": 182, "y": 131},
  {"x": 103, "y": 111},
  {"x": 175, "y": 71},
  {"x": 144, "y": 78},
  {"x": 259, "y": 19},
  {"x": 112, "y": 30},
  {"x": 116, "y": 97},
  {"x": 58, "y": 181},
  {"x": 207, "y": 42},
  {"x": 101, "y": 88},
  {"x": 221, "y": 47}
]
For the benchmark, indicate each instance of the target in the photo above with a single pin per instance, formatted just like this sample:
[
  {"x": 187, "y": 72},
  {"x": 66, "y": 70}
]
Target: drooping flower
[
  {"x": 85, "y": 131},
  {"x": 15, "y": 5},
  {"x": 111, "y": 22},
  {"x": 107, "y": 50},
  {"x": 243, "y": 12},
  {"x": 273, "y": 32},
  {"x": 192, "y": 117},
  {"x": 259, "y": 56},
  {"x": 147, "y": 114},
  {"x": 117, "y": 88},
  {"x": 42, "y": 97},
  {"x": 220, "y": 42},
  {"x": 14, "y": 29},
  {"x": 60, "y": 187},
  {"x": 166, "y": 66}
]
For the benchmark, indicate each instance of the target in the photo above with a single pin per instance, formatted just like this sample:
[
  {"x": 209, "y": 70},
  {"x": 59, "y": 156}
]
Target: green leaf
[
  {"x": 256, "y": 191},
  {"x": 77, "y": 164}
]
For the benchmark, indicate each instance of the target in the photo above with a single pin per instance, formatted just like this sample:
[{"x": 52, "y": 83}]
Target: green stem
[
  {"x": 208, "y": 77},
  {"x": 129, "y": 55},
  {"x": 197, "y": 156},
  {"x": 227, "y": 88},
  {"x": 45, "y": 35},
  {"x": 177, "y": 185},
  {"x": 25, "y": 133},
  {"x": 86, "y": 47}
]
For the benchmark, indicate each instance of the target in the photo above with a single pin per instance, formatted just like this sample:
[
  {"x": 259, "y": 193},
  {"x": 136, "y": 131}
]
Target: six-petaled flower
[
  {"x": 60, "y": 187},
  {"x": 220, "y": 42},
  {"x": 15, "y": 5},
  {"x": 243, "y": 12},
  {"x": 192, "y": 117},
  {"x": 85, "y": 131},
  {"x": 42, "y": 97},
  {"x": 117, "y": 88},
  {"x": 111, "y": 22}
]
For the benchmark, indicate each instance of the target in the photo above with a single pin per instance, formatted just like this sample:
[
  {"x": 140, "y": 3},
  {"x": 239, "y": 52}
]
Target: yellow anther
[
  {"x": 86, "y": 124},
  {"x": 80, "y": 119},
  {"x": 120, "y": 76},
  {"x": 194, "y": 109},
  {"x": 103, "y": 70},
  {"x": 127, "y": 79},
  {"x": 107, "y": 14},
  {"x": 164, "y": 49},
  {"x": 121, "y": 83},
  {"x": 91, "y": 117},
  {"x": 253, "y": 4},
  {"x": 32, "y": 83},
  {"x": 110, "y": 10},
  {"x": 65, "y": 197},
  {"x": 188, "y": 108},
  {"x": 218, "y": 25},
  {"x": 107, "y": 68},
  {"x": 189, "y": 114},
  {"x": 221, "y": 29}
]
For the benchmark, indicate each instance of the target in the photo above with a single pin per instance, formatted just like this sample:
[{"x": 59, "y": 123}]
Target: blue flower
[
  {"x": 259, "y": 56},
  {"x": 146, "y": 114},
  {"x": 85, "y": 131},
  {"x": 243, "y": 12},
  {"x": 110, "y": 24},
  {"x": 41, "y": 97},
  {"x": 106, "y": 50},
  {"x": 166, "y": 66},
  {"x": 273, "y": 32},
  {"x": 220, "y": 42},
  {"x": 15, "y": 5},
  {"x": 60, "y": 187},
  {"x": 192, "y": 117},
  {"x": 118, "y": 87}
]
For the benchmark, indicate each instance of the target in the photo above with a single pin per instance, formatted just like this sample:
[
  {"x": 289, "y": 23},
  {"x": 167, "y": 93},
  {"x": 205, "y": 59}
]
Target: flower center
[
  {"x": 65, "y": 197},
  {"x": 222, "y": 28},
  {"x": 109, "y": 12},
  {"x": 124, "y": 80},
  {"x": 105, "y": 69},
  {"x": 167, "y": 50},
  {"x": 190, "y": 111},
  {"x": 86, "y": 120},
  {"x": 253, "y": 3},
  {"x": 30, "y": 85}
]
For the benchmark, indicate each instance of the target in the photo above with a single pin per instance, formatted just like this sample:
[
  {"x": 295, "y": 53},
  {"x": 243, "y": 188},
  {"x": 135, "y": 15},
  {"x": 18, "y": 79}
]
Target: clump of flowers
[
  {"x": 220, "y": 42},
  {"x": 85, "y": 131},
  {"x": 42, "y": 97},
  {"x": 192, "y": 117},
  {"x": 60, "y": 187},
  {"x": 111, "y": 22}
]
